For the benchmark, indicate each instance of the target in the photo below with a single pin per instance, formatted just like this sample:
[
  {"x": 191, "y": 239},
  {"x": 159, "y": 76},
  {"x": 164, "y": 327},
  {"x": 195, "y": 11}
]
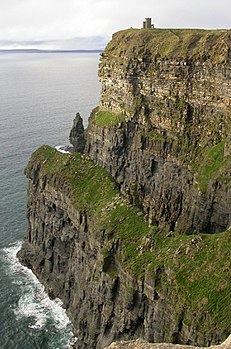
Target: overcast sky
[{"x": 89, "y": 24}]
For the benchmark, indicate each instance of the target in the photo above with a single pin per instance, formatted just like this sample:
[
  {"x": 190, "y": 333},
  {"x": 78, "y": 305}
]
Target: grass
[
  {"x": 210, "y": 165},
  {"x": 156, "y": 137},
  {"x": 196, "y": 269},
  {"x": 108, "y": 118},
  {"x": 188, "y": 43},
  {"x": 200, "y": 269},
  {"x": 204, "y": 274},
  {"x": 91, "y": 187}
]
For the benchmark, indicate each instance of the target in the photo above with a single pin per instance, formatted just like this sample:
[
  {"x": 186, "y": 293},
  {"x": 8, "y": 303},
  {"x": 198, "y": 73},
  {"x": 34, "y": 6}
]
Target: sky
[{"x": 89, "y": 24}]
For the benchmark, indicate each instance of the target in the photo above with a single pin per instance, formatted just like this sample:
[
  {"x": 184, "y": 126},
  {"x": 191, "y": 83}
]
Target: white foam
[
  {"x": 34, "y": 303},
  {"x": 62, "y": 149}
]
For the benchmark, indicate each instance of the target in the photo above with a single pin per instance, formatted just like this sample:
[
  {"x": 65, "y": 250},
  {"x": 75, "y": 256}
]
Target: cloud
[{"x": 62, "y": 20}]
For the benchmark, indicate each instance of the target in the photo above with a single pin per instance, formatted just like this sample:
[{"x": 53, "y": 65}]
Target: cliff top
[
  {"x": 91, "y": 189},
  {"x": 173, "y": 43}
]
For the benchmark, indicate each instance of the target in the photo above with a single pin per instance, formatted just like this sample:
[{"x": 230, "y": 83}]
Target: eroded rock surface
[
  {"x": 169, "y": 91},
  {"x": 77, "y": 134},
  {"x": 117, "y": 278},
  {"x": 139, "y": 344}
]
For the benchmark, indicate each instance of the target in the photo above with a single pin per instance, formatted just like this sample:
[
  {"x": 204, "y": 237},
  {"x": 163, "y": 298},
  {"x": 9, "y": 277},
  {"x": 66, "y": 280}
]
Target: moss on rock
[{"x": 195, "y": 269}]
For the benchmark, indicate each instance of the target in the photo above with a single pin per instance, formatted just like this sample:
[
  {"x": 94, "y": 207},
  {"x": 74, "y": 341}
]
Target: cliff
[
  {"x": 118, "y": 278},
  {"x": 110, "y": 232},
  {"x": 163, "y": 124}
]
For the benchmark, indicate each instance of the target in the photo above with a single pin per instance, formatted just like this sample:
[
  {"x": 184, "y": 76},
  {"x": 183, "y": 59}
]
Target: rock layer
[
  {"x": 139, "y": 344},
  {"x": 117, "y": 278},
  {"x": 169, "y": 92}
]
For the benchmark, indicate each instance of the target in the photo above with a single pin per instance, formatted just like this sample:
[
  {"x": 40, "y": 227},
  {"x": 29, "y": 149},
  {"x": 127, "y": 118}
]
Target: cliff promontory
[
  {"x": 132, "y": 232},
  {"x": 163, "y": 125}
]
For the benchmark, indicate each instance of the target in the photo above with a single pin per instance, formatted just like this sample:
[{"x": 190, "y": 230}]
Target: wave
[
  {"x": 33, "y": 303},
  {"x": 65, "y": 149}
]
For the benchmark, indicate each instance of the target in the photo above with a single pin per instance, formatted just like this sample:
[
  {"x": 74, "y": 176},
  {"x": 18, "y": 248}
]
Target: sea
[{"x": 40, "y": 94}]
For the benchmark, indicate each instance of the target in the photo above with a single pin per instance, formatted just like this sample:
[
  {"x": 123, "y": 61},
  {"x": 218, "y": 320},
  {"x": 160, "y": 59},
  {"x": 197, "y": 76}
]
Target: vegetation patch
[
  {"x": 179, "y": 43},
  {"x": 156, "y": 136},
  {"x": 108, "y": 118},
  {"x": 91, "y": 186},
  {"x": 196, "y": 269},
  {"x": 210, "y": 165}
]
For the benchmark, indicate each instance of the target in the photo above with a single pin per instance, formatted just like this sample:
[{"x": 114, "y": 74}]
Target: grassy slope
[
  {"x": 108, "y": 118},
  {"x": 212, "y": 164},
  {"x": 200, "y": 265},
  {"x": 183, "y": 43}
]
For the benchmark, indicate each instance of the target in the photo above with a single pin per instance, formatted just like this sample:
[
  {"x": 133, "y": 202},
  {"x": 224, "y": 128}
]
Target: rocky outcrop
[
  {"x": 77, "y": 134},
  {"x": 169, "y": 93},
  {"x": 139, "y": 344}
]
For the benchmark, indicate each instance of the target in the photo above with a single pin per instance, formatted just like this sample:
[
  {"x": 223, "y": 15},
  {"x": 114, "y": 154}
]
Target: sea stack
[{"x": 76, "y": 137}]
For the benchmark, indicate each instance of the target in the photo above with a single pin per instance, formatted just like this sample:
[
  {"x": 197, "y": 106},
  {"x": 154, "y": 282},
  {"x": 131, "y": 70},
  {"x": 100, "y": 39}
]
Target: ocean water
[{"x": 40, "y": 94}]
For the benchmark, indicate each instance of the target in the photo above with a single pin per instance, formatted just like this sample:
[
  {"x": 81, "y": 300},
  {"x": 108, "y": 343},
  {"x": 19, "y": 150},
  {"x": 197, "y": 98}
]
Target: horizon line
[{"x": 32, "y": 50}]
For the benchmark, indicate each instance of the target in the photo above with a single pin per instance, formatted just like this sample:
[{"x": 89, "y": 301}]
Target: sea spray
[{"x": 33, "y": 306}]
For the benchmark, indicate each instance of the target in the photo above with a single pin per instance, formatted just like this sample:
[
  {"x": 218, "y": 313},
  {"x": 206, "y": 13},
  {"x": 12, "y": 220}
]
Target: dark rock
[
  {"x": 172, "y": 121},
  {"x": 76, "y": 137},
  {"x": 79, "y": 261}
]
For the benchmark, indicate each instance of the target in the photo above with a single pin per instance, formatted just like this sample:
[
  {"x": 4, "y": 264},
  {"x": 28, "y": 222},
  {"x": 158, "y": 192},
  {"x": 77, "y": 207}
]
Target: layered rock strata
[
  {"x": 138, "y": 344},
  {"x": 118, "y": 278},
  {"x": 163, "y": 124}
]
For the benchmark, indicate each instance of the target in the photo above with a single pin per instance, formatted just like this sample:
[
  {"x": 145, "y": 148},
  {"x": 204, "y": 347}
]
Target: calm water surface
[{"x": 40, "y": 94}]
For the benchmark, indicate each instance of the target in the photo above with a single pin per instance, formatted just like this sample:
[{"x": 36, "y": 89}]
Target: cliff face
[
  {"x": 162, "y": 131},
  {"x": 118, "y": 278},
  {"x": 163, "y": 123}
]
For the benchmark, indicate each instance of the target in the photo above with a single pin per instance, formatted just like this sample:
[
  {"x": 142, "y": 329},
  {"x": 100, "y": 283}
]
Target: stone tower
[{"x": 148, "y": 23}]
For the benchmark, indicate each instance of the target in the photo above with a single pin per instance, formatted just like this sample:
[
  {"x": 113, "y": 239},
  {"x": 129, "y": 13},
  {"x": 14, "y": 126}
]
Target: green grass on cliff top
[
  {"x": 91, "y": 189},
  {"x": 190, "y": 43},
  {"x": 91, "y": 186},
  {"x": 195, "y": 268},
  {"x": 108, "y": 118}
]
